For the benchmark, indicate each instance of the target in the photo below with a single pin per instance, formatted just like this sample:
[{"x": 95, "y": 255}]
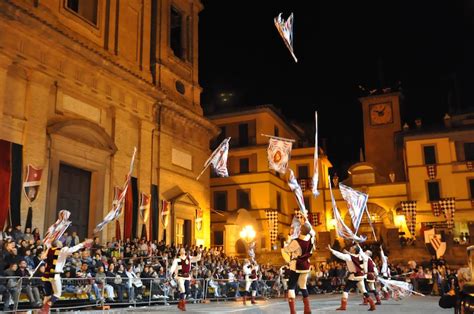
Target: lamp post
[{"x": 247, "y": 234}]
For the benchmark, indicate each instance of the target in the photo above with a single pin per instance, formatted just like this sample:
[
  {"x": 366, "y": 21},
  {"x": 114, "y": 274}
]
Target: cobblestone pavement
[{"x": 319, "y": 304}]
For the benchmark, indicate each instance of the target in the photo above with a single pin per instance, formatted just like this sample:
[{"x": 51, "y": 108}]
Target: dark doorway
[
  {"x": 187, "y": 232},
  {"x": 73, "y": 194}
]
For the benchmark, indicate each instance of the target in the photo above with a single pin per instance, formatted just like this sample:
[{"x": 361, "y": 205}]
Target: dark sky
[{"x": 426, "y": 45}]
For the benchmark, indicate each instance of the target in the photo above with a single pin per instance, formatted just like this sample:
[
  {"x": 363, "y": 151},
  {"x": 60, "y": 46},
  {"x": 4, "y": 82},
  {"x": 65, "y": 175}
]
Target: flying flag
[
  {"x": 315, "y": 165},
  {"x": 356, "y": 202},
  {"x": 285, "y": 29},
  {"x": 293, "y": 184},
  {"x": 165, "y": 211},
  {"x": 145, "y": 214},
  {"x": 116, "y": 210},
  {"x": 279, "y": 151},
  {"x": 342, "y": 229},
  {"x": 218, "y": 160},
  {"x": 429, "y": 234},
  {"x": 56, "y": 230},
  {"x": 31, "y": 189},
  {"x": 399, "y": 289}
]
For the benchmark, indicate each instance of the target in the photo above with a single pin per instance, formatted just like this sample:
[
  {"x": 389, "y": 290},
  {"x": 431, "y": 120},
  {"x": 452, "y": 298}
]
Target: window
[
  {"x": 219, "y": 138},
  {"x": 87, "y": 9},
  {"x": 176, "y": 33},
  {"x": 433, "y": 191},
  {"x": 303, "y": 172},
  {"x": 244, "y": 165},
  {"x": 471, "y": 188},
  {"x": 243, "y": 199},
  {"x": 243, "y": 134},
  {"x": 276, "y": 131},
  {"x": 218, "y": 238},
  {"x": 307, "y": 203},
  {"x": 220, "y": 200},
  {"x": 469, "y": 151},
  {"x": 429, "y": 154},
  {"x": 279, "y": 201}
]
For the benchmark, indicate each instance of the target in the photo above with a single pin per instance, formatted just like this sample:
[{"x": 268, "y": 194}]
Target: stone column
[
  {"x": 145, "y": 170},
  {"x": 35, "y": 141},
  {"x": 4, "y": 63}
]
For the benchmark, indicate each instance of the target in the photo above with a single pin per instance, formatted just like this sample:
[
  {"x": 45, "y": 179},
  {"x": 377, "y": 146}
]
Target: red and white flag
[
  {"x": 145, "y": 212},
  {"x": 56, "y": 230},
  {"x": 116, "y": 210},
  {"x": 32, "y": 183},
  {"x": 438, "y": 245},
  {"x": 356, "y": 202},
  {"x": 199, "y": 215},
  {"x": 218, "y": 160},
  {"x": 278, "y": 154}
]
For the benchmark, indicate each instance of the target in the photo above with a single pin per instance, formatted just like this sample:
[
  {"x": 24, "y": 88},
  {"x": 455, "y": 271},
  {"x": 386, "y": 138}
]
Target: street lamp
[{"x": 248, "y": 234}]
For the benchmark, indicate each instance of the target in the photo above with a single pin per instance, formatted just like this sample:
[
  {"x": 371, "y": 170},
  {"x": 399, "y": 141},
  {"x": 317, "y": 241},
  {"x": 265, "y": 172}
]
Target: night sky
[{"x": 428, "y": 46}]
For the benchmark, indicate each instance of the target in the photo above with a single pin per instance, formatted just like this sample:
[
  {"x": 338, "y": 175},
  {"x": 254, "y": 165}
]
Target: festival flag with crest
[
  {"x": 356, "y": 202},
  {"x": 56, "y": 230},
  {"x": 145, "y": 214},
  {"x": 31, "y": 189},
  {"x": 341, "y": 228},
  {"x": 316, "y": 157},
  {"x": 285, "y": 29},
  {"x": 116, "y": 210},
  {"x": 278, "y": 153},
  {"x": 218, "y": 160},
  {"x": 165, "y": 212}
]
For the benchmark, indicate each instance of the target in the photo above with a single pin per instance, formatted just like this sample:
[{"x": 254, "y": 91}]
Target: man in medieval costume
[
  {"x": 250, "y": 270},
  {"x": 355, "y": 266},
  {"x": 300, "y": 250},
  {"x": 372, "y": 273},
  {"x": 181, "y": 267},
  {"x": 55, "y": 258}
]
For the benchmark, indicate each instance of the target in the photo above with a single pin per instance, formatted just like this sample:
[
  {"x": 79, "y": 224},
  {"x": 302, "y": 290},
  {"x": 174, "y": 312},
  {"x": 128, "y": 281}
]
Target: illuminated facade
[{"x": 81, "y": 84}]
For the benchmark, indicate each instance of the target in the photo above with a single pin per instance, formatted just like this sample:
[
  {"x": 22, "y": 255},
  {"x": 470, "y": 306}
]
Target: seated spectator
[
  {"x": 32, "y": 292},
  {"x": 101, "y": 281}
]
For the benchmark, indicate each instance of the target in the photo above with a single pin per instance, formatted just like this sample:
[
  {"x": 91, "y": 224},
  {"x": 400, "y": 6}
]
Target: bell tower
[{"x": 381, "y": 114}]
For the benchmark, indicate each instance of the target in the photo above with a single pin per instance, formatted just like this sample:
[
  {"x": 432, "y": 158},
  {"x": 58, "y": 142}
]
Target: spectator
[
  {"x": 36, "y": 234},
  {"x": 31, "y": 292},
  {"x": 28, "y": 236},
  {"x": 17, "y": 234},
  {"x": 101, "y": 281},
  {"x": 73, "y": 239}
]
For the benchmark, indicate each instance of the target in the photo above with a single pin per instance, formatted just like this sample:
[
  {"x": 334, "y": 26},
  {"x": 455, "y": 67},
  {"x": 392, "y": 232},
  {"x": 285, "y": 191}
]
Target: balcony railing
[{"x": 305, "y": 184}]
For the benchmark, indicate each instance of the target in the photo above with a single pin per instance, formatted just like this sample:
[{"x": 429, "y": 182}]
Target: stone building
[{"x": 84, "y": 82}]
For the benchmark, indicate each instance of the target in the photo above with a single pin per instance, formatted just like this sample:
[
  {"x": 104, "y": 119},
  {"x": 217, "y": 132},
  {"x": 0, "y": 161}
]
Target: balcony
[{"x": 306, "y": 184}]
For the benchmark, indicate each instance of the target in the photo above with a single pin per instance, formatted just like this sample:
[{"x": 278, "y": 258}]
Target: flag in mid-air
[
  {"x": 218, "y": 159},
  {"x": 356, "y": 202},
  {"x": 285, "y": 28},
  {"x": 118, "y": 203}
]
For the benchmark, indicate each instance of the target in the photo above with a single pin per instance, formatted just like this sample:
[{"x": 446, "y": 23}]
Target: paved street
[{"x": 320, "y": 304}]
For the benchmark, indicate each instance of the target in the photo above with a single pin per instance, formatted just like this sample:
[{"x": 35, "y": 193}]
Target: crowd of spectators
[{"x": 133, "y": 271}]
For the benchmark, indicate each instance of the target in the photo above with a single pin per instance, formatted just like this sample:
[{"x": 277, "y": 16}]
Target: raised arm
[
  {"x": 195, "y": 259},
  {"x": 174, "y": 266},
  {"x": 339, "y": 255}
]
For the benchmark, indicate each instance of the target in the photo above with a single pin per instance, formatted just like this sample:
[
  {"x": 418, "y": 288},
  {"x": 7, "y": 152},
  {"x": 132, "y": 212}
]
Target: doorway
[
  {"x": 179, "y": 233},
  {"x": 187, "y": 232},
  {"x": 74, "y": 195}
]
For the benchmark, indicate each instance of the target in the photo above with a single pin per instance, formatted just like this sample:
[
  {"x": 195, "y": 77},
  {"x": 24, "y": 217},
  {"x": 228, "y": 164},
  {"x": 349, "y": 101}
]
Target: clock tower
[{"x": 381, "y": 114}]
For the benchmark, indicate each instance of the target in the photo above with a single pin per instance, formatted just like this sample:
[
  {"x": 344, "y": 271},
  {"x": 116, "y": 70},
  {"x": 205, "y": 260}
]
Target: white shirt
[
  {"x": 63, "y": 254},
  {"x": 231, "y": 276},
  {"x": 192, "y": 259},
  {"x": 350, "y": 264}
]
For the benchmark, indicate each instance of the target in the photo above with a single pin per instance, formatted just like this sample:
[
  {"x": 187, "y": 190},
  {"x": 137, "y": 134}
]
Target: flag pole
[
  {"x": 279, "y": 138},
  {"x": 370, "y": 222}
]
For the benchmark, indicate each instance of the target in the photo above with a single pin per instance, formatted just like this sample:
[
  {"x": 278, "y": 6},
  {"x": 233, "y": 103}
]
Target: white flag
[
  {"x": 315, "y": 165},
  {"x": 279, "y": 152},
  {"x": 218, "y": 159},
  {"x": 342, "y": 229},
  {"x": 295, "y": 187},
  {"x": 285, "y": 28},
  {"x": 356, "y": 202}
]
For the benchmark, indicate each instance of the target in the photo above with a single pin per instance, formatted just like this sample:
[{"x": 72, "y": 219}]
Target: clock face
[{"x": 381, "y": 113}]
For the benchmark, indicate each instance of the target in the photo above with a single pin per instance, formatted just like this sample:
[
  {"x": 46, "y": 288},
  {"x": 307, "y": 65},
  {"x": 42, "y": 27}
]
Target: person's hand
[{"x": 329, "y": 246}]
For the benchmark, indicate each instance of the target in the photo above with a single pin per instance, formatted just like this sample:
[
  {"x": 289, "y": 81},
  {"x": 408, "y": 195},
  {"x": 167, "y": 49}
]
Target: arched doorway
[{"x": 380, "y": 218}]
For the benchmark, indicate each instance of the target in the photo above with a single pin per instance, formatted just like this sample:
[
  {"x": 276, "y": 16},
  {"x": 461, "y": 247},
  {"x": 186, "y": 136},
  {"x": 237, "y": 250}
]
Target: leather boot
[
  {"x": 343, "y": 306},
  {"x": 365, "y": 301},
  {"x": 45, "y": 308},
  {"x": 291, "y": 303},
  {"x": 244, "y": 300},
  {"x": 386, "y": 295},
  {"x": 372, "y": 304},
  {"x": 253, "y": 300},
  {"x": 377, "y": 298},
  {"x": 307, "y": 307},
  {"x": 184, "y": 305}
]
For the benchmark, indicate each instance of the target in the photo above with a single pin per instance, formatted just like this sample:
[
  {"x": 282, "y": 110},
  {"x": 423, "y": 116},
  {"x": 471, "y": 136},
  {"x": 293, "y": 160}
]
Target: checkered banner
[
  {"x": 305, "y": 184},
  {"x": 409, "y": 208},
  {"x": 469, "y": 165},
  {"x": 431, "y": 170},
  {"x": 314, "y": 218},
  {"x": 297, "y": 213},
  {"x": 272, "y": 217},
  {"x": 435, "y": 208},
  {"x": 448, "y": 207}
]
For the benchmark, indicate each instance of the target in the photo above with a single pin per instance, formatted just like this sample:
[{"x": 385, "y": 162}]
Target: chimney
[
  {"x": 418, "y": 123},
  {"x": 447, "y": 120}
]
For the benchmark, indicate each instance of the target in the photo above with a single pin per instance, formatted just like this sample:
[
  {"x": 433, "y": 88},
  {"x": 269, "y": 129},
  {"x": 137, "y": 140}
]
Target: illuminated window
[{"x": 86, "y": 9}]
